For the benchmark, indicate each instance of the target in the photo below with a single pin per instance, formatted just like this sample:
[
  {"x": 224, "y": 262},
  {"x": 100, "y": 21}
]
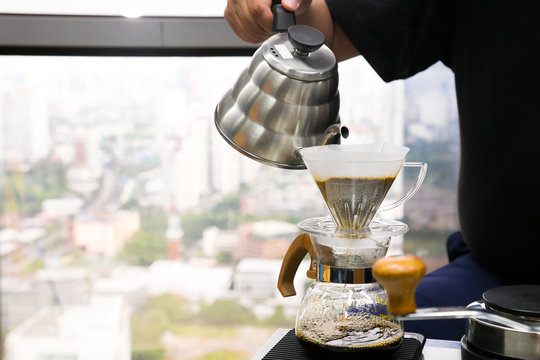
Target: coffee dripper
[
  {"x": 344, "y": 309},
  {"x": 355, "y": 178}
]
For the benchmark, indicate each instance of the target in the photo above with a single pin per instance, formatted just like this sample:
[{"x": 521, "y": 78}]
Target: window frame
[{"x": 82, "y": 35}]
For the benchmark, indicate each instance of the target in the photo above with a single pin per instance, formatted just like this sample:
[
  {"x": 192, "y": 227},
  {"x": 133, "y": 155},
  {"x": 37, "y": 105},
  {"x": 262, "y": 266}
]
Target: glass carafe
[
  {"x": 347, "y": 317},
  {"x": 344, "y": 309}
]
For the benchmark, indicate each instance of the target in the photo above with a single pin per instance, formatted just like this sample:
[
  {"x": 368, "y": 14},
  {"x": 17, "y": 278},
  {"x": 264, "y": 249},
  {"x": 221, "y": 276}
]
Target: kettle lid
[{"x": 300, "y": 53}]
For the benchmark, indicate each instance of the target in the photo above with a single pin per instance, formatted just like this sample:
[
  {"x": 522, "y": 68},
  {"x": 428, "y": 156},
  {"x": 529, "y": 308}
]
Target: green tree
[
  {"x": 33, "y": 266},
  {"x": 160, "y": 314},
  {"x": 226, "y": 312},
  {"x": 148, "y": 244},
  {"x": 153, "y": 219},
  {"x": 24, "y": 191},
  {"x": 224, "y": 257},
  {"x": 144, "y": 248},
  {"x": 175, "y": 310},
  {"x": 193, "y": 224},
  {"x": 228, "y": 203},
  {"x": 279, "y": 319},
  {"x": 225, "y": 355},
  {"x": 148, "y": 354}
]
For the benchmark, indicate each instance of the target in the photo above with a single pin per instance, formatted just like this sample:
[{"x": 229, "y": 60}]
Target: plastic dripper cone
[{"x": 354, "y": 179}]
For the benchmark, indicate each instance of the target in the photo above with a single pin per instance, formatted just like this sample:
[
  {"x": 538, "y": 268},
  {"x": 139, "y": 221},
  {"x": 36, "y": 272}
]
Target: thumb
[{"x": 291, "y": 5}]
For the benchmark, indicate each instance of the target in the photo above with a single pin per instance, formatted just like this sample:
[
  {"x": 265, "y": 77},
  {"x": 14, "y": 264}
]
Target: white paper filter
[{"x": 354, "y": 160}]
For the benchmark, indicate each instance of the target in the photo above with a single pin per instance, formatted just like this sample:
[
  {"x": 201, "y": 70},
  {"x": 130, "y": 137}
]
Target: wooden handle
[
  {"x": 399, "y": 275},
  {"x": 294, "y": 256}
]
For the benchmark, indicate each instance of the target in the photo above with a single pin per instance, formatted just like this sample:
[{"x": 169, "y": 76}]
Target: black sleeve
[{"x": 399, "y": 38}]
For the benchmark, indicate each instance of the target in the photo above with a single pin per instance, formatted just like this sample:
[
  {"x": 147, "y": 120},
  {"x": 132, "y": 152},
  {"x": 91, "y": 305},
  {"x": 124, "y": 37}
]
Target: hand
[{"x": 251, "y": 20}]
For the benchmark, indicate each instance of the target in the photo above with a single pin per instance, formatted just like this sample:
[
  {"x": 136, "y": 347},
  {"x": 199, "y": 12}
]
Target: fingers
[
  {"x": 251, "y": 20},
  {"x": 298, "y": 6}
]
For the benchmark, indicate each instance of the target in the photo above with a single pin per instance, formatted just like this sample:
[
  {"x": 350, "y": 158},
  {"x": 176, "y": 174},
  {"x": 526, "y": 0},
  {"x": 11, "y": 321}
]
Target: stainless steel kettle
[{"x": 286, "y": 99}]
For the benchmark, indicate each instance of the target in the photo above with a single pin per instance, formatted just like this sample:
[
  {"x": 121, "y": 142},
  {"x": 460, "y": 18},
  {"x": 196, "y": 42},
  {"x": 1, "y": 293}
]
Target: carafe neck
[{"x": 338, "y": 275}]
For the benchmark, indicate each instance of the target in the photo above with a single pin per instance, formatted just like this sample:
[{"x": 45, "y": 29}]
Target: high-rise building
[
  {"x": 184, "y": 155},
  {"x": 372, "y": 109},
  {"x": 24, "y": 124},
  {"x": 225, "y": 165}
]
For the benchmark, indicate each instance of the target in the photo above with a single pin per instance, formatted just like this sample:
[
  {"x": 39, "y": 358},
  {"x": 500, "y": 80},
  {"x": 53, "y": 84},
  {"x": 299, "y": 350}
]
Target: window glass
[{"x": 127, "y": 221}]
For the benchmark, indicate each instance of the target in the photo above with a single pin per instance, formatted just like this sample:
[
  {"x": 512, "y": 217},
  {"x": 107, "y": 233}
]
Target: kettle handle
[
  {"x": 294, "y": 256},
  {"x": 283, "y": 18}
]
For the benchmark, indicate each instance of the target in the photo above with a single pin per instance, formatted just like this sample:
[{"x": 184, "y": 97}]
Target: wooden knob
[{"x": 399, "y": 275}]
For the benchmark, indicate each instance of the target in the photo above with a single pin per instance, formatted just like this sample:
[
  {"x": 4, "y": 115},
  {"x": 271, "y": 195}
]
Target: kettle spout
[
  {"x": 333, "y": 130},
  {"x": 326, "y": 136}
]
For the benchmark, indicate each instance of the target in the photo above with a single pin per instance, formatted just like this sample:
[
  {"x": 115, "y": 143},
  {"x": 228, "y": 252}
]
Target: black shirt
[{"x": 493, "y": 48}]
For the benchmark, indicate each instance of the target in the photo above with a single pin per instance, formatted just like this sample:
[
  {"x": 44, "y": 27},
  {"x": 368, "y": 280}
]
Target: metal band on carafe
[{"x": 326, "y": 273}]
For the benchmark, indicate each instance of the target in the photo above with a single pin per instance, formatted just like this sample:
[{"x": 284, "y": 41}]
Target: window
[
  {"x": 127, "y": 221},
  {"x": 119, "y": 7}
]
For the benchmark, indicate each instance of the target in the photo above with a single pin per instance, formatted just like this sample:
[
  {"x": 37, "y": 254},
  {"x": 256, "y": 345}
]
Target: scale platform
[{"x": 284, "y": 345}]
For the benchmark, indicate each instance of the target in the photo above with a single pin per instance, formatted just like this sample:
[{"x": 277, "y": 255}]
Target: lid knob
[
  {"x": 305, "y": 39},
  {"x": 399, "y": 275}
]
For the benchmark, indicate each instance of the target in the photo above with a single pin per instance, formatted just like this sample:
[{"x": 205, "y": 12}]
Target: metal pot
[
  {"x": 505, "y": 323},
  {"x": 286, "y": 99}
]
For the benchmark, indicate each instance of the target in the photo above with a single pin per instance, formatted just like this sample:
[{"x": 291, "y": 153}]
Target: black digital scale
[{"x": 284, "y": 345}]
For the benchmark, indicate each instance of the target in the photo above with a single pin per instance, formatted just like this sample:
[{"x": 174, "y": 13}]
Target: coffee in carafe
[{"x": 351, "y": 319}]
